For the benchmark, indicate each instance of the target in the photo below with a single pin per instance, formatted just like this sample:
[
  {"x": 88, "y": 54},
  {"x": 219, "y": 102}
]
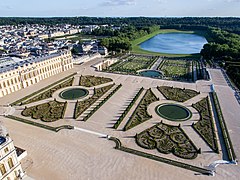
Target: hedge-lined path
[
  {"x": 69, "y": 110},
  {"x": 196, "y": 99},
  {"x": 229, "y": 106},
  {"x": 158, "y": 94},
  {"x": 76, "y": 80},
  {"x": 38, "y": 102},
  {"x": 156, "y": 64}
]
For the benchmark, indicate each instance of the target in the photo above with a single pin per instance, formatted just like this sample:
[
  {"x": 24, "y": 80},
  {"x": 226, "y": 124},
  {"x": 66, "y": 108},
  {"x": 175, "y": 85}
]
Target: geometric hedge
[{"x": 167, "y": 139}]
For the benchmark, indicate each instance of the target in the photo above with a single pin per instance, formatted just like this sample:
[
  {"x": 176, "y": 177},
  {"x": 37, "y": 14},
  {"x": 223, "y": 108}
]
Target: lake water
[{"x": 175, "y": 43}]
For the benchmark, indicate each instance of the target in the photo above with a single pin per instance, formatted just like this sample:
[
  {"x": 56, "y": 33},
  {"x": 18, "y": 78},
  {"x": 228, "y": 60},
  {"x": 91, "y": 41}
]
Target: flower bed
[
  {"x": 47, "y": 112},
  {"x": 48, "y": 94},
  {"x": 167, "y": 139},
  {"x": 140, "y": 114},
  {"x": 82, "y": 106},
  {"x": 90, "y": 81},
  {"x": 205, "y": 126},
  {"x": 177, "y": 94}
]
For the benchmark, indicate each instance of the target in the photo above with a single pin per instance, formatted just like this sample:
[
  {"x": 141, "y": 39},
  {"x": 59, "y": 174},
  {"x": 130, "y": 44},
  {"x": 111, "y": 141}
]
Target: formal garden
[
  {"x": 179, "y": 70},
  {"x": 168, "y": 139},
  {"x": 177, "y": 94},
  {"x": 205, "y": 126},
  {"x": 140, "y": 114},
  {"x": 87, "y": 81},
  {"x": 47, "y": 112},
  {"x": 132, "y": 63}
]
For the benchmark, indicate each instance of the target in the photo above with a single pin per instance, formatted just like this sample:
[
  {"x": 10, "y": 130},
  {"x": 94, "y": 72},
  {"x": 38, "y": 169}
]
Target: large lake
[{"x": 175, "y": 43}]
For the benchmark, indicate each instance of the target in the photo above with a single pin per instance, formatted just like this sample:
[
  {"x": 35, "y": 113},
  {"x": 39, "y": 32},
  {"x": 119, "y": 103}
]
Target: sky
[{"x": 119, "y": 8}]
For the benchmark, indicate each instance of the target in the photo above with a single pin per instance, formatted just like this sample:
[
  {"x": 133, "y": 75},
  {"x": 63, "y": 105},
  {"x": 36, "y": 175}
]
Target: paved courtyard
[{"x": 85, "y": 153}]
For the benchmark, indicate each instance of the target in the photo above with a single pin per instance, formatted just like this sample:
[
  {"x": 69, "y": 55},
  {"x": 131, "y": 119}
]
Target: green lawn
[
  {"x": 136, "y": 49},
  {"x": 132, "y": 64},
  {"x": 177, "y": 69}
]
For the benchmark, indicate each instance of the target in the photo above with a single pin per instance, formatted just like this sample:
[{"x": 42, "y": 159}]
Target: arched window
[
  {"x": 10, "y": 163},
  {"x": 2, "y": 169}
]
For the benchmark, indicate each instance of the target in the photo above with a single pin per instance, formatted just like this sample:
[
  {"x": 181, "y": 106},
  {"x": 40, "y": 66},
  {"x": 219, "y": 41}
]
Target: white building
[
  {"x": 10, "y": 167},
  {"x": 16, "y": 74}
]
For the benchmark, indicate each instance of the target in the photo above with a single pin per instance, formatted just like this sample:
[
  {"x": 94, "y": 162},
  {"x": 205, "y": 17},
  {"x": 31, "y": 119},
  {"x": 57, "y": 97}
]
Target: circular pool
[
  {"x": 151, "y": 73},
  {"x": 73, "y": 94},
  {"x": 173, "y": 112}
]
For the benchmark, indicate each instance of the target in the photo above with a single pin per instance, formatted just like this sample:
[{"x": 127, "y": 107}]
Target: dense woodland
[
  {"x": 224, "y": 47},
  {"x": 121, "y": 39}
]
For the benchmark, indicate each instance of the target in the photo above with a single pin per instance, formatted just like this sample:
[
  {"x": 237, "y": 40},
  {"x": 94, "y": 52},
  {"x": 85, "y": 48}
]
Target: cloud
[{"x": 119, "y": 3}]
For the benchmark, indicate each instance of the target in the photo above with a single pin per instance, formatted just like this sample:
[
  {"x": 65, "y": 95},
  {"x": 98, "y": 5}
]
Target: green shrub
[
  {"x": 205, "y": 126},
  {"x": 167, "y": 139},
  {"x": 140, "y": 114},
  {"x": 47, "y": 112},
  {"x": 177, "y": 94},
  {"x": 82, "y": 106},
  {"x": 90, "y": 81}
]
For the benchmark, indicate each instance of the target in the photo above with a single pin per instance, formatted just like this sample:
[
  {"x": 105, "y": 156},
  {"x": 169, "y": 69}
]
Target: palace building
[
  {"x": 10, "y": 167},
  {"x": 16, "y": 74}
]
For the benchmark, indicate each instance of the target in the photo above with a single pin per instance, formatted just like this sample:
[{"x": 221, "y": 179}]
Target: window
[
  {"x": 10, "y": 163},
  {"x": 6, "y": 150},
  {"x": 2, "y": 169}
]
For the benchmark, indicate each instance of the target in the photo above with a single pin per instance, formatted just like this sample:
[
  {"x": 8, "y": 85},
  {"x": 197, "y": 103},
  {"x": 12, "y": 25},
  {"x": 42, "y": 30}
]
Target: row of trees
[{"x": 227, "y": 23}]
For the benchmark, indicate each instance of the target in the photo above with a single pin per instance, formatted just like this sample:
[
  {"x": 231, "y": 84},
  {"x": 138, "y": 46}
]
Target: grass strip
[{"x": 227, "y": 140}]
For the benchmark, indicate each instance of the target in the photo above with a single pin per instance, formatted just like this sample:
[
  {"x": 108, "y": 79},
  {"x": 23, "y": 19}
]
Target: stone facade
[
  {"x": 22, "y": 74},
  {"x": 10, "y": 167},
  {"x": 104, "y": 64}
]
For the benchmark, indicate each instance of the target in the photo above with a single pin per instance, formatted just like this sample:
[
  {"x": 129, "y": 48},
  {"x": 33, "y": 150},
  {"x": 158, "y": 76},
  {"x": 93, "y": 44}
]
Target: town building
[
  {"x": 16, "y": 74},
  {"x": 10, "y": 167}
]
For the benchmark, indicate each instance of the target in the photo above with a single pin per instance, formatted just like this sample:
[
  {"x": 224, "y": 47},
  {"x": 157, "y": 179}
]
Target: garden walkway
[{"x": 156, "y": 64}]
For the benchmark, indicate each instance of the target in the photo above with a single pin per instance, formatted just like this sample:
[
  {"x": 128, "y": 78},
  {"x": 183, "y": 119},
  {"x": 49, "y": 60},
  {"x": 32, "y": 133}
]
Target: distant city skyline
[{"x": 116, "y": 8}]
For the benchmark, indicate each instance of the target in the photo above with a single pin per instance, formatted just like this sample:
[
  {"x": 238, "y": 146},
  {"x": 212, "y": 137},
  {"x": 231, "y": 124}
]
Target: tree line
[
  {"x": 227, "y": 23},
  {"x": 123, "y": 37}
]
